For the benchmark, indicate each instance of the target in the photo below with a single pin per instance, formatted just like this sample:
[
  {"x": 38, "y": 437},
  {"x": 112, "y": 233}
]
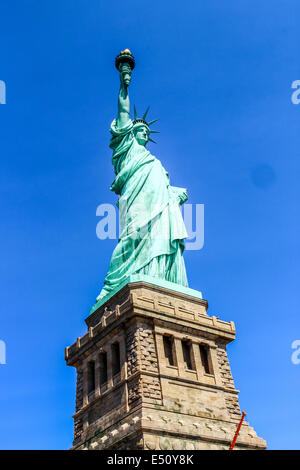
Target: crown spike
[
  {"x": 135, "y": 113},
  {"x": 154, "y": 132},
  {"x": 151, "y": 140},
  {"x": 146, "y": 112},
  {"x": 152, "y": 122}
]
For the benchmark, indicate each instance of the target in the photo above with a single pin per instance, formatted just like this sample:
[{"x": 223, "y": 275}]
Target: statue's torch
[
  {"x": 125, "y": 57},
  {"x": 125, "y": 63}
]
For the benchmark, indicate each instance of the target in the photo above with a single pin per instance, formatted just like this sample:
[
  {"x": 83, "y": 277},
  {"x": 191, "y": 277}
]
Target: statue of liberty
[{"x": 152, "y": 234}]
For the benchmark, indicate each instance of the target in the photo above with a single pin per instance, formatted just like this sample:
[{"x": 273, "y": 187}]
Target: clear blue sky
[{"x": 218, "y": 75}]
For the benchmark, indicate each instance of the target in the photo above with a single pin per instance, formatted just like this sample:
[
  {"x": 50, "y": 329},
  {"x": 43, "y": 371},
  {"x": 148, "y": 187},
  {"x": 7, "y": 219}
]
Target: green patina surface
[{"x": 151, "y": 240}]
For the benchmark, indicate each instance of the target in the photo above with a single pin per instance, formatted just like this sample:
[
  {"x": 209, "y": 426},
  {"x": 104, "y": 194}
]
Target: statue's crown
[{"x": 142, "y": 122}]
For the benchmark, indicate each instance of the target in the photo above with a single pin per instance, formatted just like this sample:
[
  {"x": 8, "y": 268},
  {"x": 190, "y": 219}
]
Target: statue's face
[
  {"x": 125, "y": 71},
  {"x": 142, "y": 135}
]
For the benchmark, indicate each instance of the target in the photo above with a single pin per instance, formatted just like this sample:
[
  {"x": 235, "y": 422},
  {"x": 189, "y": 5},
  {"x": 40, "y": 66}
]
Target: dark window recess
[
  {"x": 168, "y": 348},
  {"x": 186, "y": 349},
  {"x": 91, "y": 376},
  {"x": 116, "y": 364},
  {"x": 103, "y": 368},
  {"x": 205, "y": 359}
]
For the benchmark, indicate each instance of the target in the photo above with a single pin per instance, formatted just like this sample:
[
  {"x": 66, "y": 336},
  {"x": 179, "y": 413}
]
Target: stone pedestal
[{"x": 153, "y": 373}]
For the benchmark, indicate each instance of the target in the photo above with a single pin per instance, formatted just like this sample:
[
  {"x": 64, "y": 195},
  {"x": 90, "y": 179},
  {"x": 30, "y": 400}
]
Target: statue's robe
[{"x": 152, "y": 229}]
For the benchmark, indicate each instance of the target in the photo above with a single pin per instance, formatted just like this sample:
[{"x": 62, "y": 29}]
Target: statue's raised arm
[{"x": 124, "y": 63}]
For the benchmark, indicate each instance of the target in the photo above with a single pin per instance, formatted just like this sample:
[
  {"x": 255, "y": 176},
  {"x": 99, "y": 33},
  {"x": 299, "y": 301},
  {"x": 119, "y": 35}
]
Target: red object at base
[{"x": 237, "y": 431}]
